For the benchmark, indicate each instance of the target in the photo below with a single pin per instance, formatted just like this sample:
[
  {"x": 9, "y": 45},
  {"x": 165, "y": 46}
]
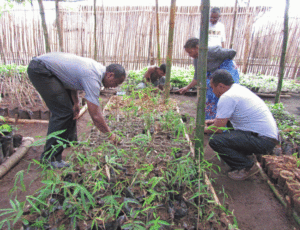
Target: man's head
[
  {"x": 115, "y": 75},
  {"x": 221, "y": 81},
  {"x": 214, "y": 15},
  {"x": 162, "y": 70},
  {"x": 191, "y": 47}
]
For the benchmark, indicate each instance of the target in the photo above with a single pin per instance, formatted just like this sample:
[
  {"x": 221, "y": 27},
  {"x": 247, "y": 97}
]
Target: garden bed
[{"x": 149, "y": 181}]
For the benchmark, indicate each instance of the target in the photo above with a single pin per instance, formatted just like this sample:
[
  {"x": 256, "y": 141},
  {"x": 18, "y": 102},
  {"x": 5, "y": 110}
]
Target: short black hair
[
  {"x": 163, "y": 67},
  {"x": 191, "y": 43},
  {"x": 215, "y": 10},
  {"x": 117, "y": 69},
  {"x": 222, "y": 76}
]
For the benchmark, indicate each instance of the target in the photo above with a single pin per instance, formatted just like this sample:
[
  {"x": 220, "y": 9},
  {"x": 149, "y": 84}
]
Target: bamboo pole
[
  {"x": 234, "y": 24},
  {"x": 283, "y": 52},
  {"x": 157, "y": 33},
  {"x": 17, "y": 156},
  {"x": 44, "y": 25},
  {"x": 58, "y": 25},
  {"x": 201, "y": 79},
  {"x": 95, "y": 32},
  {"x": 34, "y": 121},
  {"x": 170, "y": 48},
  {"x": 247, "y": 41},
  {"x": 103, "y": 41}
]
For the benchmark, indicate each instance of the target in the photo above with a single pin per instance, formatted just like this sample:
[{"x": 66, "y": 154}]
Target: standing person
[
  {"x": 217, "y": 58},
  {"x": 58, "y": 77},
  {"x": 216, "y": 29},
  {"x": 255, "y": 129}
]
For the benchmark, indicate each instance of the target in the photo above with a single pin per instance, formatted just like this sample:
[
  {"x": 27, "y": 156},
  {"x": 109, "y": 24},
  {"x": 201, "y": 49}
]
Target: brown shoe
[{"x": 243, "y": 173}]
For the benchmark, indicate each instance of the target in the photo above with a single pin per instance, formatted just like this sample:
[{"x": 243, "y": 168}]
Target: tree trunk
[
  {"x": 247, "y": 41},
  {"x": 170, "y": 48},
  {"x": 59, "y": 28},
  {"x": 283, "y": 52},
  {"x": 95, "y": 31},
  {"x": 157, "y": 35},
  {"x": 103, "y": 46},
  {"x": 234, "y": 24},
  {"x": 201, "y": 79},
  {"x": 150, "y": 53},
  {"x": 44, "y": 25}
]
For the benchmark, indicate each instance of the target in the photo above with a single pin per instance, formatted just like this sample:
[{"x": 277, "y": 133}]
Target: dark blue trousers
[
  {"x": 233, "y": 147},
  {"x": 59, "y": 101}
]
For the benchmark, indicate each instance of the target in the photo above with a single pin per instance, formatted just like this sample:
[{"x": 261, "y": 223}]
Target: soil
[{"x": 251, "y": 201}]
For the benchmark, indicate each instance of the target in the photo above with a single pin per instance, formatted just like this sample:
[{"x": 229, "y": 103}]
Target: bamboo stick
[
  {"x": 17, "y": 156},
  {"x": 33, "y": 121}
]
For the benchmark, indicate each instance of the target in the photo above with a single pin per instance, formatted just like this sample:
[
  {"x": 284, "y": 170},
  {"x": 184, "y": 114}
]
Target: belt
[{"x": 273, "y": 140}]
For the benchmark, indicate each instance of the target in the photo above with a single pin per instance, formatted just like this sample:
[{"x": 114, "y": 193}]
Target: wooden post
[
  {"x": 157, "y": 34},
  {"x": 103, "y": 45},
  {"x": 150, "y": 52},
  {"x": 59, "y": 28},
  {"x": 44, "y": 25},
  {"x": 247, "y": 41},
  {"x": 234, "y": 24},
  {"x": 201, "y": 79},
  {"x": 170, "y": 48},
  {"x": 283, "y": 52},
  {"x": 95, "y": 31}
]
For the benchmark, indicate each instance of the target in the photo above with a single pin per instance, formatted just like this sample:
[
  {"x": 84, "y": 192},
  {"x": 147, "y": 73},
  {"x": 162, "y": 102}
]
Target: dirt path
[{"x": 251, "y": 201}]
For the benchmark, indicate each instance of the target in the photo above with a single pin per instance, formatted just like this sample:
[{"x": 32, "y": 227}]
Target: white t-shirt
[
  {"x": 216, "y": 34},
  {"x": 247, "y": 112}
]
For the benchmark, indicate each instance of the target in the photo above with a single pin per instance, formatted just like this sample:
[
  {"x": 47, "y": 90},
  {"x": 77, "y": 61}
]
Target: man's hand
[
  {"x": 76, "y": 110},
  {"x": 116, "y": 140},
  {"x": 183, "y": 90},
  {"x": 209, "y": 122}
]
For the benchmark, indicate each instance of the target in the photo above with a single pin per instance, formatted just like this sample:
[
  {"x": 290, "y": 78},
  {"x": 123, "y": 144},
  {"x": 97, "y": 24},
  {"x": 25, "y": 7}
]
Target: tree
[
  {"x": 201, "y": 78},
  {"x": 95, "y": 30},
  {"x": 157, "y": 34},
  {"x": 283, "y": 52},
  {"x": 44, "y": 25},
  {"x": 170, "y": 48},
  {"x": 59, "y": 29},
  {"x": 234, "y": 24}
]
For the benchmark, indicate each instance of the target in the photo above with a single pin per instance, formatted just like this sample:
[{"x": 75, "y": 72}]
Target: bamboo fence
[{"x": 127, "y": 35}]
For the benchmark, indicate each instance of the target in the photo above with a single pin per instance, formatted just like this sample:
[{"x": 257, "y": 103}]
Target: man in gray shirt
[
  {"x": 58, "y": 77},
  {"x": 255, "y": 130}
]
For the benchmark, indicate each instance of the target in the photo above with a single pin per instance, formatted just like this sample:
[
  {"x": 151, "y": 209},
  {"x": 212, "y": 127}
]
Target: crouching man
[
  {"x": 255, "y": 129},
  {"x": 58, "y": 77}
]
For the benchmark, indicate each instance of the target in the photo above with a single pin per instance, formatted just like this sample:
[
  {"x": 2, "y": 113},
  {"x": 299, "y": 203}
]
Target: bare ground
[{"x": 251, "y": 200}]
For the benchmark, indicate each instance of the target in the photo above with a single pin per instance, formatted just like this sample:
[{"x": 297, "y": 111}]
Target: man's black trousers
[
  {"x": 234, "y": 147},
  {"x": 59, "y": 101}
]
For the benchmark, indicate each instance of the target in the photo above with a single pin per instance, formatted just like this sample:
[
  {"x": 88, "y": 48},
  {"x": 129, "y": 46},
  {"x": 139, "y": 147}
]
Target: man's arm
[
  {"x": 215, "y": 124},
  {"x": 99, "y": 121},
  {"x": 76, "y": 108},
  {"x": 185, "y": 89}
]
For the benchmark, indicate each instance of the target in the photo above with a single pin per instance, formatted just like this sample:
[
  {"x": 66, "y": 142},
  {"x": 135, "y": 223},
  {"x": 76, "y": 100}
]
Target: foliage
[
  {"x": 11, "y": 68},
  {"x": 180, "y": 77},
  {"x": 267, "y": 84},
  {"x": 288, "y": 126},
  {"x": 97, "y": 189}
]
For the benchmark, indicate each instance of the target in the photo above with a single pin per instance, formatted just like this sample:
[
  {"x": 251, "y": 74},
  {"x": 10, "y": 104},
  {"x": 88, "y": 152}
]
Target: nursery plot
[{"x": 149, "y": 181}]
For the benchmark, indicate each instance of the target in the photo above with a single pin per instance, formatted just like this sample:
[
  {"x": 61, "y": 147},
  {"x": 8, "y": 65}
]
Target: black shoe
[{"x": 59, "y": 164}]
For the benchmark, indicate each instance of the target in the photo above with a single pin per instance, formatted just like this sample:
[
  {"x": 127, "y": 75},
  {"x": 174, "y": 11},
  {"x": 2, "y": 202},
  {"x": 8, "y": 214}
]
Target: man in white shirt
[
  {"x": 255, "y": 130},
  {"x": 216, "y": 31}
]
